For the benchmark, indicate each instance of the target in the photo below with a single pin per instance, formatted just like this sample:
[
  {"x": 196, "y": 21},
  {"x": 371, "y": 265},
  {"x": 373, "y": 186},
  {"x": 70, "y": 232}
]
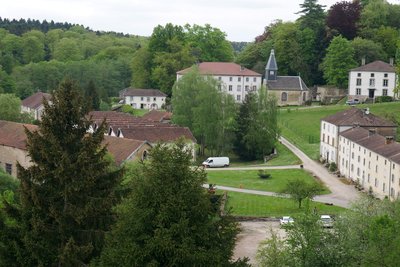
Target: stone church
[{"x": 288, "y": 90}]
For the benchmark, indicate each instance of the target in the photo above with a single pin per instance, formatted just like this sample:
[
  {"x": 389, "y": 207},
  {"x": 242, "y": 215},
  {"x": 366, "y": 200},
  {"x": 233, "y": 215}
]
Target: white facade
[
  {"x": 35, "y": 112},
  {"x": 235, "y": 85},
  {"x": 329, "y": 141},
  {"x": 372, "y": 171},
  {"x": 145, "y": 102},
  {"x": 370, "y": 84}
]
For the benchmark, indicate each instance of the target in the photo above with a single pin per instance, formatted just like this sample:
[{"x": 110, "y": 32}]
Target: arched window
[{"x": 284, "y": 96}]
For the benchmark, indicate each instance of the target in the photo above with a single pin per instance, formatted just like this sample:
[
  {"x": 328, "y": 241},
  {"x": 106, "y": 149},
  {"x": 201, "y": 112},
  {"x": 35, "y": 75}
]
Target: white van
[{"x": 216, "y": 162}]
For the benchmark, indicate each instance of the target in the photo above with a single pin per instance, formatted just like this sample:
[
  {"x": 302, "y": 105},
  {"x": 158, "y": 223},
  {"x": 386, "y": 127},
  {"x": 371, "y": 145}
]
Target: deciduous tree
[
  {"x": 299, "y": 190},
  {"x": 338, "y": 61}
]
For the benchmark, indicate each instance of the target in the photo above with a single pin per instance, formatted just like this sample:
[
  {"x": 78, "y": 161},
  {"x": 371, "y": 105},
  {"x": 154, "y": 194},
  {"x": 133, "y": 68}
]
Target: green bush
[
  {"x": 263, "y": 174},
  {"x": 382, "y": 99},
  {"x": 332, "y": 167}
]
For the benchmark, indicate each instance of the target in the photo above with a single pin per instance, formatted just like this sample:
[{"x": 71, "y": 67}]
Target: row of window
[
  {"x": 147, "y": 98},
  {"x": 372, "y": 75},
  {"x": 384, "y": 91},
  {"x": 327, "y": 141},
  {"x": 239, "y": 79},
  {"x": 385, "y": 82},
  {"x": 239, "y": 88}
]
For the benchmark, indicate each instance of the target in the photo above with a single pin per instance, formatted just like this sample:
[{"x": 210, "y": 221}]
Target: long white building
[
  {"x": 234, "y": 79},
  {"x": 371, "y": 160},
  {"x": 333, "y": 125}
]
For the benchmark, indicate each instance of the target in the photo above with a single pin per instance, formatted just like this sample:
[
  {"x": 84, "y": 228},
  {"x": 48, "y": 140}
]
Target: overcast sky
[{"x": 241, "y": 20}]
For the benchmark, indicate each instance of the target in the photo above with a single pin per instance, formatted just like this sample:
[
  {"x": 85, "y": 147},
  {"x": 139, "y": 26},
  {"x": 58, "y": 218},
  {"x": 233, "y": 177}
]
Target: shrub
[
  {"x": 382, "y": 99},
  {"x": 263, "y": 174},
  {"x": 332, "y": 167}
]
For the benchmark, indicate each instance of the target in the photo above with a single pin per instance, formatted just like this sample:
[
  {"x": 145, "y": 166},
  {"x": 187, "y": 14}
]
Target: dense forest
[{"x": 321, "y": 46}]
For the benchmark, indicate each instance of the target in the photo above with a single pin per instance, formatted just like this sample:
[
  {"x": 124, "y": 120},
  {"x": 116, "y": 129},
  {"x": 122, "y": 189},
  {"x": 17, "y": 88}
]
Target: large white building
[
  {"x": 143, "y": 98},
  {"x": 333, "y": 125},
  {"x": 371, "y": 160},
  {"x": 234, "y": 79},
  {"x": 377, "y": 78}
]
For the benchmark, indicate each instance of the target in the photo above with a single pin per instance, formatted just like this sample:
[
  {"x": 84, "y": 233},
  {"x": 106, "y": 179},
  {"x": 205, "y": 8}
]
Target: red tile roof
[
  {"x": 222, "y": 68},
  {"x": 157, "y": 116},
  {"x": 35, "y": 100},
  {"x": 378, "y": 66},
  {"x": 12, "y": 134},
  {"x": 122, "y": 148},
  {"x": 155, "y": 134},
  {"x": 352, "y": 116}
]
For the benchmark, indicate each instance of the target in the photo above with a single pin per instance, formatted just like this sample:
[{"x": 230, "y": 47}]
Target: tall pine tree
[{"x": 67, "y": 194}]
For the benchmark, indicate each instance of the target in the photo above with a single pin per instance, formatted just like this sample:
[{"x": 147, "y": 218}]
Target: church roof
[
  {"x": 287, "y": 83},
  {"x": 271, "y": 65}
]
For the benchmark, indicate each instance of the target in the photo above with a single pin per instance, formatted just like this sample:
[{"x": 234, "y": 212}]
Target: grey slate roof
[
  {"x": 378, "y": 66},
  {"x": 374, "y": 142},
  {"x": 271, "y": 65},
  {"x": 352, "y": 116},
  {"x": 287, "y": 83},
  {"x": 141, "y": 92}
]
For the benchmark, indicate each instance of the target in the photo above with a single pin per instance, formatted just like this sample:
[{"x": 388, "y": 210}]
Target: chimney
[
  {"x": 363, "y": 61},
  {"x": 388, "y": 140},
  {"x": 371, "y": 132},
  {"x": 391, "y": 62},
  {"x": 241, "y": 68}
]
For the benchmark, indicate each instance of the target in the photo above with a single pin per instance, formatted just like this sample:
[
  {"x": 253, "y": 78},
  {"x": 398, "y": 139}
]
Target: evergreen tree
[
  {"x": 92, "y": 97},
  {"x": 169, "y": 220},
  {"x": 257, "y": 126},
  {"x": 67, "y": 194}
]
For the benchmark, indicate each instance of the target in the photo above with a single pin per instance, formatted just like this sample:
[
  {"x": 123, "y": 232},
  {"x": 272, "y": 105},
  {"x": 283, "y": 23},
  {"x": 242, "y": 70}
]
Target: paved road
[{"x": 342, "y": 195}]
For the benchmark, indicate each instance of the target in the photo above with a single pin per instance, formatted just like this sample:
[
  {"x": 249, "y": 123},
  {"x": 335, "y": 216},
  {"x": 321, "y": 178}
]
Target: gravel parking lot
[{"x": 253, "y": 232}]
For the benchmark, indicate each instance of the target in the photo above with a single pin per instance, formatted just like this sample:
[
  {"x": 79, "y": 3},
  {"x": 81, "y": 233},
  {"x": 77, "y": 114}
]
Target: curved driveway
[{"x": 342, "y": 195}]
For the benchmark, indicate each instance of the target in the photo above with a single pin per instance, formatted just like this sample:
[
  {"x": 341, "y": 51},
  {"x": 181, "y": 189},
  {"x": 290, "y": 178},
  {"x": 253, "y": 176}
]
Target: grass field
[
  {"x": 302, "y": 126},
  {"x": 284, "y": 157},
  {"x": 249, "y": 179},
  {"x": 264, "y": 206}
]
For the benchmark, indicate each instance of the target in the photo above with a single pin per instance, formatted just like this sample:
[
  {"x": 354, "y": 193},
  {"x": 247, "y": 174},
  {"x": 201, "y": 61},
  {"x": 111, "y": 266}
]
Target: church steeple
[{"x": 271, "y": 70}]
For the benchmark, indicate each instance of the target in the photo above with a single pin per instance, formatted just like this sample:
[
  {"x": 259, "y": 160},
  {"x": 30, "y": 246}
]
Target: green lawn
[
  {"x": 249, "y": 179},
  {"x": 264, "y": 206},
  {"x": 302, "y": 126},
  {"x": 283, "y": 158}
]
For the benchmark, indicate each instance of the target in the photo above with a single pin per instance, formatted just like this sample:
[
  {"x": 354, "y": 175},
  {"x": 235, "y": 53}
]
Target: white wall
[
  {"x": 365, "y": 77},
  {"x": 369, "y": 169},
  {"x": 240, "y": 85},
  {"x": 329, "y": 141},
  {"x": 150, "y": 102}
]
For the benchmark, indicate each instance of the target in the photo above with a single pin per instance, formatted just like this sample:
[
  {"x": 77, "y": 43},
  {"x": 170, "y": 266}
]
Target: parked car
[
  {"x": 286, "y": 220},
  {"x": 354, "y": 101},
  {"x": 216, "y": 162},
  {"x": 326, "y": 221}
]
